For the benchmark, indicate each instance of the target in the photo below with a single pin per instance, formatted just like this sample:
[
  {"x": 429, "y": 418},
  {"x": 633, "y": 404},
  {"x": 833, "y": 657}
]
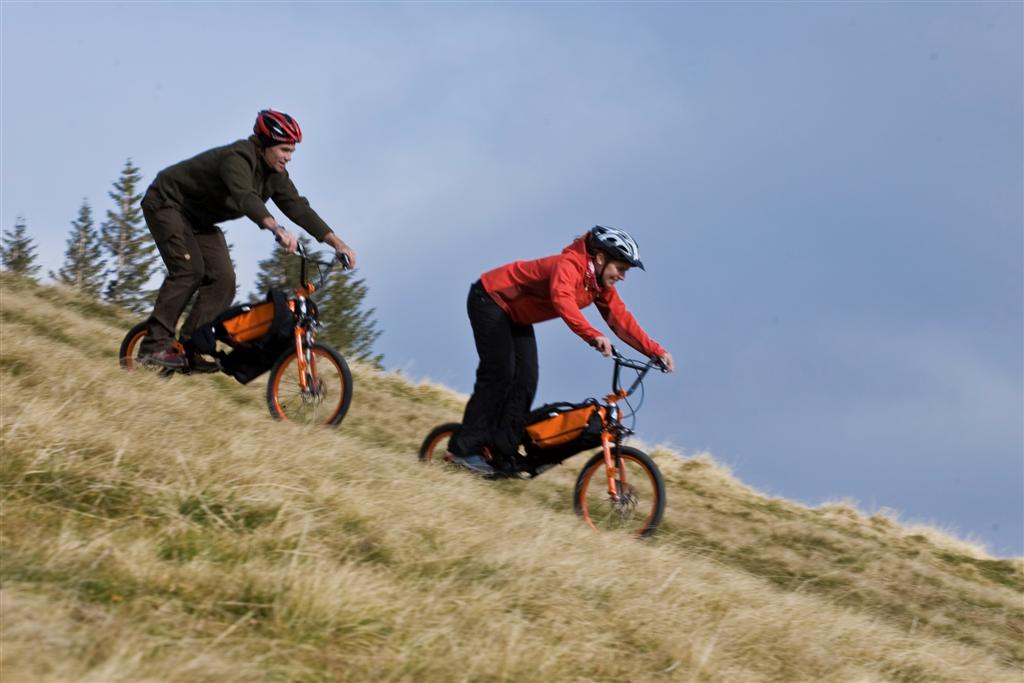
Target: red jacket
[{"x": 559, "y": 286}]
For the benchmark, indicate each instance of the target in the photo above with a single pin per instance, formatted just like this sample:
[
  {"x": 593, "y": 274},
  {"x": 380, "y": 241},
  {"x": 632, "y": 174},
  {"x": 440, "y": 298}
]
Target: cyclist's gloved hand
[
  {"x": 286, "y": 239},
  {"x": 343, "y": 252},
  {"x": 666, "y": 361},
  {"x": 347, "y": 257},
  {"x": 602, "y": 344}
]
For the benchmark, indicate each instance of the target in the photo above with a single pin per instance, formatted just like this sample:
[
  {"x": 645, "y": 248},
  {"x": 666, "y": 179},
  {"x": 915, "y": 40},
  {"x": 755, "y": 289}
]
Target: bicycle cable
[
  {"x": 323, "y": 269},
  {"x": 633, "y": 411}
]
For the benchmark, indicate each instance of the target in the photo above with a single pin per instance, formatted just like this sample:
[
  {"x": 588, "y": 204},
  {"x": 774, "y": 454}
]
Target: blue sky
[{"x": 828, "y": 197}]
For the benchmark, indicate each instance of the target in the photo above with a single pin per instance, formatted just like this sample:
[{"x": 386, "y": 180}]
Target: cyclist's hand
[
  {"x": 287, "y": 240},
  {"x": 666, "y": 360},
  {"x": 347, "y": 256},
  {"x": 342, "y": 251},
  {"x": 602, "y": 344}
]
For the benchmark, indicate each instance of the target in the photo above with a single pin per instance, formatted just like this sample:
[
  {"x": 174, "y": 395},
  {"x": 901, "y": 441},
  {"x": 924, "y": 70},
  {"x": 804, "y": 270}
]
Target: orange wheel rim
[
  {"x": 128, "y": 361},
  {"x": 583, "y": 495},
  {"x": 432, "y": 446}
]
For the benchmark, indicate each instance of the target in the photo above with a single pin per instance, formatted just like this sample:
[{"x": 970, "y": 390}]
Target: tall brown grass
[{"x": 168, "y": 530}]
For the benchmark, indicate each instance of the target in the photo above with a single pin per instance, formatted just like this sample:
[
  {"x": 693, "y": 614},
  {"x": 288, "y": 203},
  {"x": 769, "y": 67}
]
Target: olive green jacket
[{"x": 232, "y": 181}]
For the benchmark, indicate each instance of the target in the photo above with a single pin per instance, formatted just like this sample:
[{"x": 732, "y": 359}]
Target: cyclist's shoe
[
  {"x": 474, "y": 463},
  {"x": 502, "y": 469},
  {"x": 197, "y": 362},
  {"x": 171, "y": 359}
]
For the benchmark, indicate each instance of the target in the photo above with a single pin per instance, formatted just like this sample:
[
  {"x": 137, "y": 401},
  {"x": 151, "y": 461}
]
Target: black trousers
[
  {"x": 196, "y": 260},
  {"x": 506, "y": 380}
]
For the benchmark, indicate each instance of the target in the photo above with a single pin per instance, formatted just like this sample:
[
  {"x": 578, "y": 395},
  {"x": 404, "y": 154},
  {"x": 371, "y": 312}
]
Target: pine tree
[
  {"x": 281, "y": 270},
  {"x": 347, "y": 327},
  {"x": 132, "y": 251},
  {"x": 18, "y": 251},
  {"x": 83, "y": 259}
]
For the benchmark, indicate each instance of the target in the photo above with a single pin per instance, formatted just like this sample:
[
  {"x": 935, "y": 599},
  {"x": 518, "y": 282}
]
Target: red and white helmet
[{"x": 276, "y": 128}]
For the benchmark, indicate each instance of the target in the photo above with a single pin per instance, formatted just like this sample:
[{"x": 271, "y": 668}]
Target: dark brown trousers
[{"x": 197, "y": 260}]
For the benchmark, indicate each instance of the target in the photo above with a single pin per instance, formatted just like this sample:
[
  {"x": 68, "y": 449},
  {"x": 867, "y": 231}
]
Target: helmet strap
[{"x": 599, "y": 273}]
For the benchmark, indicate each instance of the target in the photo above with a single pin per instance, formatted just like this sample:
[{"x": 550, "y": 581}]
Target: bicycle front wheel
[
  {"x": 640, "y": 502},
  {"x": 328, "y": 392}
]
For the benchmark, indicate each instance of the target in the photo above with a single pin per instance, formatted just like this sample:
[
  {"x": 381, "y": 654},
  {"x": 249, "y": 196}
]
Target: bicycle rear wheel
[
  {"x": 641, "y": 501},
  {"x": 435, "y": 445},
  {"x": 128, "y": 356},
  {"x": 328, "y": 393}
]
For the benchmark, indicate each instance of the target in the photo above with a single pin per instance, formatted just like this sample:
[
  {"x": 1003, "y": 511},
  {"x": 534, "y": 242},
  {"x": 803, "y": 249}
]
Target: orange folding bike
[
  {"x": 619, "y": 487},
  {"x": 309, "y": 382}
]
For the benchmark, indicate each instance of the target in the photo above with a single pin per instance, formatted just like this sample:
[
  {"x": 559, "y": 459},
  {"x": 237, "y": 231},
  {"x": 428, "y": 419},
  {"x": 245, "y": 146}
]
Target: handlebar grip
[
  {"x": 593, "y": 344},
  {"x": 299, "y": 249}
]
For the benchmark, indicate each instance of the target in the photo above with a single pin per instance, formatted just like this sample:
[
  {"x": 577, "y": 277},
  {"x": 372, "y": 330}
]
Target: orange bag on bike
[
  {"x": 258, "y": 333},
  {"x": 252, "y": 322},
  {"x": 559, "y": 423},
  {"x": 246, "y": 324}
]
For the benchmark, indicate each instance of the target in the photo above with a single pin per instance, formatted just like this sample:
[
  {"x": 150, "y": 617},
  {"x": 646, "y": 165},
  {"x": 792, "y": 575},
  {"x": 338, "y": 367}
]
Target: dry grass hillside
[{"x": 168, "y": 530}]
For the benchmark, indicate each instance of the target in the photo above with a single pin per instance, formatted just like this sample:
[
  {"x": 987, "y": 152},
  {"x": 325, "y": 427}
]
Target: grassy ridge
[{"x": 160, "y": 530}]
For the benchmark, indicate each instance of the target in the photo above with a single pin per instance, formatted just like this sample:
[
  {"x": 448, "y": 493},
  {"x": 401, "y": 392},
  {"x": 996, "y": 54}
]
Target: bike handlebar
[
  {"x": 304, "y": 255},
  {"x": 301, "y": 250},
  {"x": 642, "y": 367},
  {"x": 636, "y": 364}
]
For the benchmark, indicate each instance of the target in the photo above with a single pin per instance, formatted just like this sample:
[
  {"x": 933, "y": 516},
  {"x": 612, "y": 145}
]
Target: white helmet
[{"x": 617, "y": 244}]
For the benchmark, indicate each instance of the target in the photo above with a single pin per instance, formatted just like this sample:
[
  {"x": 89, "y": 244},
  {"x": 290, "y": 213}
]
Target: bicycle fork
[
  {"x": 305, "y": 362},
  {"x": 615, "y": 474}
]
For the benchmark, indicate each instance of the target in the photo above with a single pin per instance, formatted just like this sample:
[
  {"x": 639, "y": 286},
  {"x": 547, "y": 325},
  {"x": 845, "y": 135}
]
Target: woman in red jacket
[{"x": 503, "y": 305}]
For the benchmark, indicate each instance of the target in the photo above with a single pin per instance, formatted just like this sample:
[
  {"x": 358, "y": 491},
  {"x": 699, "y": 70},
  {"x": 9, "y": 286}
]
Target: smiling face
[
  {"x": 611, "y": 270},
  {"x": 278, "y": 156}
]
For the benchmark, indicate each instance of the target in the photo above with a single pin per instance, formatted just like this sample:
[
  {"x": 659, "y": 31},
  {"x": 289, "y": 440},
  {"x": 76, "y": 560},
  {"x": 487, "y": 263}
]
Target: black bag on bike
[
  {"x": 257, "y": 333},
  {"x": 557, "y": 431}
]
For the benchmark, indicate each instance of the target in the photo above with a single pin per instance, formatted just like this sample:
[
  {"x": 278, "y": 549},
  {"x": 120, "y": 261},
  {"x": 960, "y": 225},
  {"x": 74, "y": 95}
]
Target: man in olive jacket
[{"x": 182, "y": 208}]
